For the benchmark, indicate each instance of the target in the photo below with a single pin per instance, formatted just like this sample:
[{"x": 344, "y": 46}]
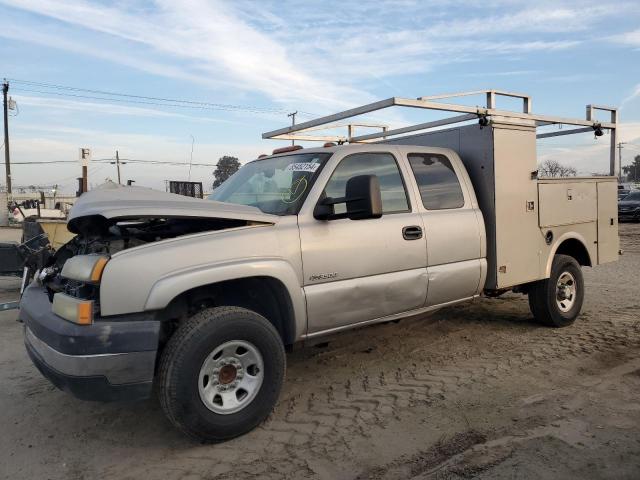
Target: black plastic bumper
[
  {"x": 96, "y": 388},
  {"x": 112, "y": 359}
]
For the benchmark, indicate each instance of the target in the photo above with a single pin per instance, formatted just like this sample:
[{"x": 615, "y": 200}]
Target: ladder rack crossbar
[{"x": 297, "y": 132}]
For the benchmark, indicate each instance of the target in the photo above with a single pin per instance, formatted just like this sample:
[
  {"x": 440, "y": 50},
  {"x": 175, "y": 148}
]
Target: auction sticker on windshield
[{"x": 302, "y": 167}]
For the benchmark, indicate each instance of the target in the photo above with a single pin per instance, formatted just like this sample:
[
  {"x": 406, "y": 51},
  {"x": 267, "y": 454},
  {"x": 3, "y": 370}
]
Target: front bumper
[{"x": 112, "y": 359}]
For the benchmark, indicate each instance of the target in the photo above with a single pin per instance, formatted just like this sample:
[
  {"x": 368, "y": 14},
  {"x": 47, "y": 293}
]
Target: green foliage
[{"x": 226, "y": 167}]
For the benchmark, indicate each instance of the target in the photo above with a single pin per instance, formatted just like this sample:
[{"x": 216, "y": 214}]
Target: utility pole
[
  {"x": 7, "y": 159},
  {"x": 620, "y": 147},
  {"x": 85, "y": 158},
  {"x": 117, "y": 164},
  {"x": 293, "y": 122},
  {"x": 85, "y": 180},
  {"x": 191, "y": 157}
]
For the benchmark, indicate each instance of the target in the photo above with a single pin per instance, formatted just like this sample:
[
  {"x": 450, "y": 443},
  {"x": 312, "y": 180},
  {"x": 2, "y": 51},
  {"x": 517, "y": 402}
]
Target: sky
[{"x": 245, "y": 64}]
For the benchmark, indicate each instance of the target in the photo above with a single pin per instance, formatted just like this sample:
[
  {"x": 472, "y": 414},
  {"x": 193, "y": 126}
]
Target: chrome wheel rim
[
  {"x": 566, "y": 292},
  {"x": 231, "y": 377}
]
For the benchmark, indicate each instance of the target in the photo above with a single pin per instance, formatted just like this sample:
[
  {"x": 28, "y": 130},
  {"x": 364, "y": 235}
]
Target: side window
[
  {"x": 384, "y": 165},
  {"x": 438, "y": 182}
]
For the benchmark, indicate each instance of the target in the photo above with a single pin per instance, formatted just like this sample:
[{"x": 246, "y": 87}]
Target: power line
[
  {"x": 105, "y": 160},
  {"x": 128, "y": 96},
  {"x": 43, "y": 162},
  {"x": 102, "y": 92},
  {"x": 157, "y": 162},
  {"x": 140, "y": 102}
]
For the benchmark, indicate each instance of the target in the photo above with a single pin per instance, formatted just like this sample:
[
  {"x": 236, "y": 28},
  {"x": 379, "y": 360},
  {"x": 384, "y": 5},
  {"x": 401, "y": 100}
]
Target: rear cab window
[
  {"x": 381, "y": 164},
  {"x": 437, "y": 181}
]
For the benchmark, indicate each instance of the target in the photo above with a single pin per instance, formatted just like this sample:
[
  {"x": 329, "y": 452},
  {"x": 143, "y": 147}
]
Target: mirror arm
[
  {"x": 333, "y": 200},
  {"x": 338, "y": 200}
]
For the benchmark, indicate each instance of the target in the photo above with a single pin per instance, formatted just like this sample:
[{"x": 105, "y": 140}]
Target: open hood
[{"x": 113, "y": 201}]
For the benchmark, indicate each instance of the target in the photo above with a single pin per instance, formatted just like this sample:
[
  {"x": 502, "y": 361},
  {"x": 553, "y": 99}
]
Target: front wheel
[
  {"x": 557, "y": 300},
  {"x": 221, "y": 373}
]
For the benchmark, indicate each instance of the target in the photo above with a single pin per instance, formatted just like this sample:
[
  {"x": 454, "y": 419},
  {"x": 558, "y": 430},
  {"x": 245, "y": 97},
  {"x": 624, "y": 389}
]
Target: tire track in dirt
[
  {"x": 327, "y": 420},
  {"x": 330, "y": 418}
]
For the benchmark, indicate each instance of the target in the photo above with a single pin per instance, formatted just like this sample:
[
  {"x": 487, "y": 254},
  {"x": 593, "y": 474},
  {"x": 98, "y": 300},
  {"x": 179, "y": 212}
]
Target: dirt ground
[{"x": 475, "y": 391}]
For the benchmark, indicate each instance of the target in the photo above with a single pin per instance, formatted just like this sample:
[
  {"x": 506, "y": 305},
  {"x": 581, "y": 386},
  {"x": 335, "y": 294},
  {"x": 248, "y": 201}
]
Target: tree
[
  {"x": 226, "y": 167},
  {"x": 633, "y": 170},
  {"x": 553, "y": 168}
]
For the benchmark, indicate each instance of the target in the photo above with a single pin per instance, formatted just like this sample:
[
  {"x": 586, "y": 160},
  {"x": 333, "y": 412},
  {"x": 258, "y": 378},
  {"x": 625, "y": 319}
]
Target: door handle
[{"x": 412, "y": 232}]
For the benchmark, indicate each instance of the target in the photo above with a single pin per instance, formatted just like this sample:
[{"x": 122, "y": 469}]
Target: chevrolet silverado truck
[{"x": 201, "y": 298}]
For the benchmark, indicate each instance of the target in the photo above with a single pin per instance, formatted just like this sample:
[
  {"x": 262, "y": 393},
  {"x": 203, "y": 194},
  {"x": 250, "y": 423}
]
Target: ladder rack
[{"x": 484, "y": 114}]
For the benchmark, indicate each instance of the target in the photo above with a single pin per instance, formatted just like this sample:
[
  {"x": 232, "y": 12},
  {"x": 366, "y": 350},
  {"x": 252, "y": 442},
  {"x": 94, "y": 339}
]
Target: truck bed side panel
[{"x": 571, "y": 203}]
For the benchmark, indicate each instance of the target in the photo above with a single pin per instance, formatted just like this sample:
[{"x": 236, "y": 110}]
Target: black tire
[
  {"x": 543, "y": 295},
  {"x": 184, "y": 355}
]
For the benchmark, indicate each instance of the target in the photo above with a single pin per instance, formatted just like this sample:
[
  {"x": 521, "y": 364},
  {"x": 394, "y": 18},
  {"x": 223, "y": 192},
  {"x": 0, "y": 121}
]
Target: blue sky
[{"x": 279, "y": 56}]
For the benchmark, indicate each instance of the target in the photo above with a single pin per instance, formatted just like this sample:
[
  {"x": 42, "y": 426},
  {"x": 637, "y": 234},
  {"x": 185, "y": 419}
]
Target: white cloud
[
  {"x": 51, "y": 37},
  {"x": 631, "y": 38},
  {"x": 297, "y": 55},
  {"x": 630, "y": 98},
  {"x": 96, "y": 108},
  {"x": 208, "y": 39}
]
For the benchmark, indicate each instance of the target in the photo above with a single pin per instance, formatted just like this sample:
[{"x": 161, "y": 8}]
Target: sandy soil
[{"x": 472, "y": 391}]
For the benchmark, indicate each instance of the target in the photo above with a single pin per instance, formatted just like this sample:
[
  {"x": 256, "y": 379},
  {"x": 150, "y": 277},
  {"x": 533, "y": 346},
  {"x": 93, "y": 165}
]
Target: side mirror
[{"x": 362, "y": 198}]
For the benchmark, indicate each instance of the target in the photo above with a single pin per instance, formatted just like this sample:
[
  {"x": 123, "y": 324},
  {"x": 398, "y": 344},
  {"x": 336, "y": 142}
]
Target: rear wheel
[
  {"x": 557, "y": 300},
  {"x": 221, "y": 373}
]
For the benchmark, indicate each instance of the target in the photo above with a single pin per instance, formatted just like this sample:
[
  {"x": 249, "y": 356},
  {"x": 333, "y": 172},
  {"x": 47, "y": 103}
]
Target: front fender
[{"x": 175, "y": 283}]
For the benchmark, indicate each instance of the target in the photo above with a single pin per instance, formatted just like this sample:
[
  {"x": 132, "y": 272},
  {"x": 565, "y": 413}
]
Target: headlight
[
  {"x": 85, "y": 268},
  {"x": 73, "y": 309}
]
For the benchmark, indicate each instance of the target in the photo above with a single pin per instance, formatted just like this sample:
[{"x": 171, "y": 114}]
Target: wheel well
[
  {"x": 264, "y": 295},
  {"x": 576, "y": 249}
]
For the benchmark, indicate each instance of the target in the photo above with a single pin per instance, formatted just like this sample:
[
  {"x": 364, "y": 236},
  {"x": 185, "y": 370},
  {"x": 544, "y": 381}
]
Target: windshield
[{"x": 276, "y": 185}]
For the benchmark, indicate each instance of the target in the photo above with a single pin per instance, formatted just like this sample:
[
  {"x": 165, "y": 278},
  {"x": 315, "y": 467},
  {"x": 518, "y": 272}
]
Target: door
[
  {"x": 608, "y": 239},
  {"x": 360, "y": 270},
  {"x": 452, "y": 228}
]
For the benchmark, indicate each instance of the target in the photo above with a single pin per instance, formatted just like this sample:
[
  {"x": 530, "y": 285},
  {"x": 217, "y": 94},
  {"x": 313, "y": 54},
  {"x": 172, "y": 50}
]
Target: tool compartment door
[
  {"x": 608, "y": 240},
  {"x": 564, "y": 202}
]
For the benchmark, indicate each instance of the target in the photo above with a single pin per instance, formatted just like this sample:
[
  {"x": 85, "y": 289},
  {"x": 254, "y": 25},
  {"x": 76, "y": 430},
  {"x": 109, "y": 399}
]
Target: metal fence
[{"x": 188, "y": 189}]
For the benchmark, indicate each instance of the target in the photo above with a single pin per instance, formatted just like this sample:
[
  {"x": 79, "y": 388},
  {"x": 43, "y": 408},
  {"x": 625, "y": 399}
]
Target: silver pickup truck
[{"x": 202, "y": 297}]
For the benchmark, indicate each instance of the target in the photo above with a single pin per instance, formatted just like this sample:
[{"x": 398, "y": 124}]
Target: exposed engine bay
[{"x": 98, "y": 235}]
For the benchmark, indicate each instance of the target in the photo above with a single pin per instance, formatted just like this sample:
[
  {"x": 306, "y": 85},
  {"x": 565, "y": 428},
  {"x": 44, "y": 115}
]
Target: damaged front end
[
  {"x": 67, "y": 334},
  {"x": 99, "y": 237},
  {"x": 114, "y": 218}
]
